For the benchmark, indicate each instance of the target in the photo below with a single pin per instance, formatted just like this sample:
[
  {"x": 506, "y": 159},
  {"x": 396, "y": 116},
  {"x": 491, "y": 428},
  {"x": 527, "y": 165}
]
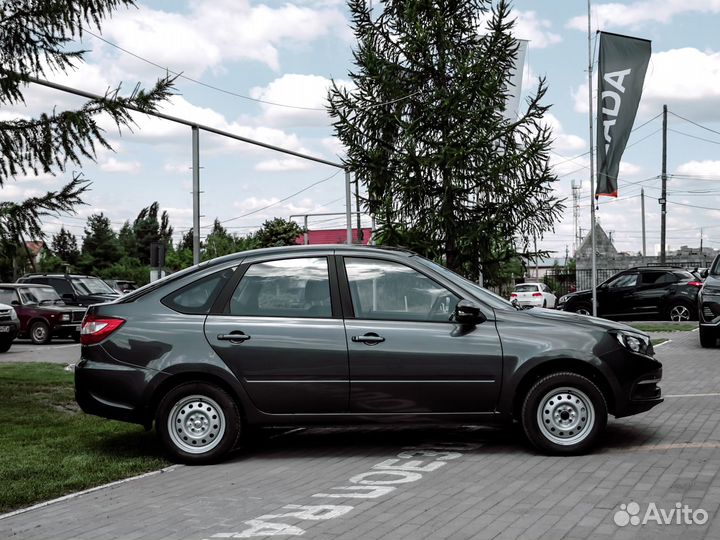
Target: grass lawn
[
  {"x": 665, "y": 327},
  {"x": 49, "y": 448}
]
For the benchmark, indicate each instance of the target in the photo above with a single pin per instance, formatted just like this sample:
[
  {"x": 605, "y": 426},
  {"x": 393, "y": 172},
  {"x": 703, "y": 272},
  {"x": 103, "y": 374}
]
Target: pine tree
[
  {"x": 446, "y": 174},
  {"x": 100, "y": 248},
  {"x": 36, "y": 39},
  {"x": 64, "y": 245}
]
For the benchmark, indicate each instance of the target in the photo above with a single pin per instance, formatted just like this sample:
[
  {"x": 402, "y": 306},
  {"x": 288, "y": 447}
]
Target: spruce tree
[
  {"x": 446, "y": 173},
  {"x": 36, "y": 39}
]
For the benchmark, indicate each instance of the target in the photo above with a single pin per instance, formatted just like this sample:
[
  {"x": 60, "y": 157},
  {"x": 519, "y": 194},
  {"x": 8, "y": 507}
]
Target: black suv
[
  {"x": 75, "y": 290},
  {"x": 709, "y": 306},
  {"x": 313, "y": 334},
  {"x": 641, "y": 292}
]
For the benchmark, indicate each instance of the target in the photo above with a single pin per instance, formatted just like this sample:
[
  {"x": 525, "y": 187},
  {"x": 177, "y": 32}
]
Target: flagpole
[{"x": 593, "y": 281}]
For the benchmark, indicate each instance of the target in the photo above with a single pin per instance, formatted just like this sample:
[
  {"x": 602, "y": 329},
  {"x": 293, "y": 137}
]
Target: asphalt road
[{"x": 59, "y": 351}]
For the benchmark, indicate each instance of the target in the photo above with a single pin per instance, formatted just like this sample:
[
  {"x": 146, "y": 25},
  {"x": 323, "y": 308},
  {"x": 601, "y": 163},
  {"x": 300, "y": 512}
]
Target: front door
[
  {"x": 406, "y": 356},
  {"x": 615, "y": 297},
  {"x": 279, "y": 336}
]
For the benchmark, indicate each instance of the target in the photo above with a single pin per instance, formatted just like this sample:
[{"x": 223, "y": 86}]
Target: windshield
[
  {"x": 715, "y": 270},
  {"x": 91, "y": 285},
  {"x": 38, "y": 295},
  {"x": 490, "y": 298}
]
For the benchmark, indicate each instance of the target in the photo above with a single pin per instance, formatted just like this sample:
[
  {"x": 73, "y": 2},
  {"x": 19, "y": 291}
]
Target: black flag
[{"x": 621, "y": 72}]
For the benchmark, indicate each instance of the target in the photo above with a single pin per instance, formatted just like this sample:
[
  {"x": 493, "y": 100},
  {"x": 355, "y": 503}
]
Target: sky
[{"x": 270, "y": 64}]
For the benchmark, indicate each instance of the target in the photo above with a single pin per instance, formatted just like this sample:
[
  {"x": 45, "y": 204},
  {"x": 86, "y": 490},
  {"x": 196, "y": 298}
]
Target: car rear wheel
[
  {"x": 198, "y": 423},
  {"x": 563, "y": 414},
  {"x": 679, "y": 312},
  {"x": 708, "y": 337},
  {"x": 40, "y": 333}
]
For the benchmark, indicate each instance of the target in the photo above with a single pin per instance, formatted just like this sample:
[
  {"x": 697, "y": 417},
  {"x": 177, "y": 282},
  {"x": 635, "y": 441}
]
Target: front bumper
[
  {"x": 8, "y": 330},
  {"x": 65, "y": 329}
]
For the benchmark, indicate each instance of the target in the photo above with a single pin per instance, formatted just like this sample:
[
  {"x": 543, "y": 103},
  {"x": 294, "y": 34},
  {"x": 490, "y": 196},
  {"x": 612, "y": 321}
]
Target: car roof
[
  {"x": 56, "y": 274},
  {"x": 22, "y": 285}
]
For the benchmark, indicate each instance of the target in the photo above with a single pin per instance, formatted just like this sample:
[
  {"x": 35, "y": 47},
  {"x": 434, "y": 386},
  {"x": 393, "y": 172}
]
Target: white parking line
[
  {"x": 711, "y": 394},
  {"x": 90, "y": 490}
]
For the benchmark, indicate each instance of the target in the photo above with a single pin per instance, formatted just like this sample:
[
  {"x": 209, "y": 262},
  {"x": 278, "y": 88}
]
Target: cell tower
[{"x": 576, "y": 215}]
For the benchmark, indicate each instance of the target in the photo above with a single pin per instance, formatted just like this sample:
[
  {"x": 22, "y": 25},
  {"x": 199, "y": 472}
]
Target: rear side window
[
  {"x": 197, "y": 298},
  {"x": 658, "y": 278}
]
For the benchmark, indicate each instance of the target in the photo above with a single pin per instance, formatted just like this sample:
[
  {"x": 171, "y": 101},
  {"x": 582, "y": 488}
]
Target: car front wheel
[
  {"x": 582, "y": 308},
  {"x": 40, "y": 333},
  {"x": 563, "y": 414},
  {"x": 198, "y": 423}
]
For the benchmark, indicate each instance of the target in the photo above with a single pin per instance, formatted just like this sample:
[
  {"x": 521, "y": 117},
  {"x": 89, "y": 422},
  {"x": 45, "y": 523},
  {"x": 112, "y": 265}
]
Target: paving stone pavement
[{"x": 498, "y": 489}]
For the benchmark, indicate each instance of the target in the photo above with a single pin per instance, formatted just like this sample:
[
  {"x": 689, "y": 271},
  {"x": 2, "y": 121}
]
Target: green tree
[
  {"x": 219, "y": 242},
  {"x": 64, "y": 245},
  {"x": 126, "y": 238},
  {"x": 100, "y": 248},
  {"x": 147, "y": 228},
  {"x": 446, "y": 174},
  {"x": 277, "y": 232},
  {"x": 36, "y": 38}
]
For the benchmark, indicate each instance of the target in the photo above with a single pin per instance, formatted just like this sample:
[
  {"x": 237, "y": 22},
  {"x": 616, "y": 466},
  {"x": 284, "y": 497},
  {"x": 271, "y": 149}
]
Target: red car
[{"x": 42, "y": 313}]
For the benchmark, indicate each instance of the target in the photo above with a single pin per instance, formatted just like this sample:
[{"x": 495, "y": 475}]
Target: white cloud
[
  {"x": 709, "y": 168},
  {"x": 113, "y": 165},
  {"x": 235, "y": 30},
  {"x": 178, "y": 168},
  {"x": 563, "y": 142},
  {"x": 535, "y": 30},
  {"x": 283, "y": 165},
  {"x": 307, "y": 92},
  {"x": 635, "y": 14}
]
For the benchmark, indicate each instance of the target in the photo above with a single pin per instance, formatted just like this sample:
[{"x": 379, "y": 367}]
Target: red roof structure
[{"x": 334, "y": 236}]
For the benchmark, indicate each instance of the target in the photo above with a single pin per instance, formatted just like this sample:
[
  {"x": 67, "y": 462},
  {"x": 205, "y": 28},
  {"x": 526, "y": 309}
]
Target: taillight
[
  {"x": 537, "y": 294},
  {"x": 95, "y": 328},
  {"x": 695, "y": 283},
  {"x": 513, "y": 294}
]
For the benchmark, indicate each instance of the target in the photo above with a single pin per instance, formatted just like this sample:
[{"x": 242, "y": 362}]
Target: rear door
[
  {"x": 406, "y": 356},
  {"x": 282, "y": 335},
  {"x": 653, "y": 288}
]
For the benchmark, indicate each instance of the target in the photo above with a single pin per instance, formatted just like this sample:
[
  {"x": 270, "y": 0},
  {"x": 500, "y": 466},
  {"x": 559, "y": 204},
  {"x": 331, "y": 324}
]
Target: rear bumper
[{"x": 110, "y": 391}]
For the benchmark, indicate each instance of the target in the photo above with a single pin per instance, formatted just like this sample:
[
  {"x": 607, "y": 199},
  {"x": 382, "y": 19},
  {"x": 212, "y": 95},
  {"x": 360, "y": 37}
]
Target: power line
[
  {"x": 278, "y": 202},
  {"x": 693, "y": 136},
  {"x": 230, "y": 92},
  {"x": 695, "y": 123}
]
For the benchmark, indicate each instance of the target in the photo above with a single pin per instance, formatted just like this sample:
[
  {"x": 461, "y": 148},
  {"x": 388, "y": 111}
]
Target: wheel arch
[
  {"x": 549, "y": 367},
  {"x": 192, "y": 376}
]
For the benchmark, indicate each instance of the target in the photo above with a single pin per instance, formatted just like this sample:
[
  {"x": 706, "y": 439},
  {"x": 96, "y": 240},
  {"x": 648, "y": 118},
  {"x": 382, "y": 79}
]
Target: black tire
[
  {"x": 681, "y": 312},
  {"x": 40, "y": 333},
  {"x": 569, "y": 425},
  {"x": 206, "y": 422},
  {"x": 75, "y": 336},
  {"x": 582, "y": 308},
  {"x": 5, "y": 345},
  {"x": 544, "y": 303},
  {"x": 708, "y": 337}
]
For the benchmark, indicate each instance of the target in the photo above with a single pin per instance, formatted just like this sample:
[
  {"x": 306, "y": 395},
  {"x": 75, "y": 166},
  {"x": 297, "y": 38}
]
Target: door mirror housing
[
  {"x": 15, "y": 303},
  {"x": 69, "y": 297},
  {"x": 468, "y": 312}
]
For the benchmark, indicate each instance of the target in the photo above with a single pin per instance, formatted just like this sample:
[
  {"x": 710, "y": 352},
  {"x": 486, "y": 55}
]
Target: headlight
[
  {"x": 563, "y": 299},
  {"x": 65, "y": 317},
  {"x": 637, "y": 343}
]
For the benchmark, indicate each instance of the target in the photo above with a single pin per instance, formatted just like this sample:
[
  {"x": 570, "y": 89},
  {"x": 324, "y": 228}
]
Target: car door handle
[
  {"x": 370, "y": 338},
  {"x": 235, "y": 337}
]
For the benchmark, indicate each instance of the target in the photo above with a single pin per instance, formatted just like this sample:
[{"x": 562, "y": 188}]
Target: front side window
[
  {"x": 284, "y": 288},
  {"x": 391, "y": 291}
]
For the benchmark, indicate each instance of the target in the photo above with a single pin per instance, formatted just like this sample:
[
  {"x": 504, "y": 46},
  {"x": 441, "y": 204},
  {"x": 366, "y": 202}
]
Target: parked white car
[{"x": 534, "y": 295}]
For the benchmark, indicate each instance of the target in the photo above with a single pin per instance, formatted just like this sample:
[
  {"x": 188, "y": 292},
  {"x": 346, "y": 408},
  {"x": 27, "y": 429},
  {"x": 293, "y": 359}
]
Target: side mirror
[
  {"x": 68, "y": 297},
  {"x": 704, "y": 273},
  {"x": 515, "y": 302},
  {"x": 15, "y": 303},
  {"x": 468, "y": 312}
]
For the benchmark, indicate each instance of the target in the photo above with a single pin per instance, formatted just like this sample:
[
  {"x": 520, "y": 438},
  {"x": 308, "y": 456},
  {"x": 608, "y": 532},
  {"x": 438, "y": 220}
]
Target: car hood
[
  {"x": 583, "y": 320},
  {"x": 577, "y": 294}
]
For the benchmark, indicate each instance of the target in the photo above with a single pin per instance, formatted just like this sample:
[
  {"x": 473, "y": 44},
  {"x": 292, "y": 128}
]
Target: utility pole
[
  {"x": 642, "y": 211},
  {"x": 593, "y": 278},
  {"x": 663, "y": 195},
  {"x": 357, "y": 209}
]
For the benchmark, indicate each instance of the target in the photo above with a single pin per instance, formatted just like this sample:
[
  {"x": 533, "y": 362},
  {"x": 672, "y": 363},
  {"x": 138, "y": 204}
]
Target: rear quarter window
[{"x": 197, "y": 298}]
